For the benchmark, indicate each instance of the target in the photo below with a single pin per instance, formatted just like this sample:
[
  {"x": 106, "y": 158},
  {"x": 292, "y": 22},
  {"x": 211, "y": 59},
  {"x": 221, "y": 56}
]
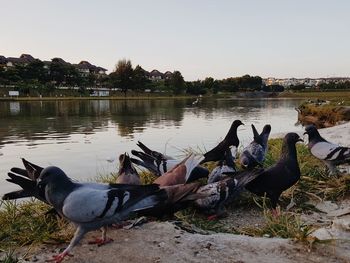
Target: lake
[{"x": 85, "y": 137}]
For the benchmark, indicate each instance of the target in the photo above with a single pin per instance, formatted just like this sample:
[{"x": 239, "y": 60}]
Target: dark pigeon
[
  {"x": 331, "y": 154},
  {"x": 254, "y": 154},
  {"x": 281, "y": 176},
  {"x": 27, "y": 180},
  {"x": 231, "y": 139},
  {"x": 91, "y": 206}
]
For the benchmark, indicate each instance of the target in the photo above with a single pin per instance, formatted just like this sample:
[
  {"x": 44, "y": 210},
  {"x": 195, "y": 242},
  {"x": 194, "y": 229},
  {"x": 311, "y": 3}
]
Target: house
[
  {"x": 155, "y": 75},
  {"x": 23, "y": 60},
  {"x": 85, "y": 68},
  {"x": 168, "y": 75}
]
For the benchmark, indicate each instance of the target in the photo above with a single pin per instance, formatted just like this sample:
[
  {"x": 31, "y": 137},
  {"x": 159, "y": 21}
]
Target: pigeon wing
[{"x": 330, "y": 152}]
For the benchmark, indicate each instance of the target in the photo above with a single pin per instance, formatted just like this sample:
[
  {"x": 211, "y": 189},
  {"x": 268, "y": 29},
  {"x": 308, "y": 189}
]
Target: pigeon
[
  {"x": 282, "y": 175},
  {"x": 27, "y": 180},
  {"x": 181, "y": 173},
  {"x": 331, "y": 154},
  {"x": 158, "y": 163},
  {"x": 216, "y": 195},
  {"x": 254, "y": 154},
  {"x": 127, "y": 173},
  {"x": 91, "y": 206},
  {"x": 231, "y": 139},
  {"x": 179, "y": 191},
  {"x": 223, "y": 167}
]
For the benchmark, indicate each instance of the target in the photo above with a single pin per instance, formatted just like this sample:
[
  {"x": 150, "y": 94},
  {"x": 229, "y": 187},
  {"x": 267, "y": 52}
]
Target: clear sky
[{"x": 219, "y": 39}]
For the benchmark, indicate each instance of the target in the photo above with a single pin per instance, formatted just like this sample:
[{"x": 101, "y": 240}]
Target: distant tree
[
  {"x": 122, "y": 77},
  {"x": 140, "y": 80},
  {"x": 297, "y": 87},
  {"x": 195, "y": 88},
  {"x": 35, "y": 71},
  {"x": 208, "y": 83},
  {"x": 58, "y": 71},
  {"x": 273, "y": 88},
  {"x": 177, "y": 82}
]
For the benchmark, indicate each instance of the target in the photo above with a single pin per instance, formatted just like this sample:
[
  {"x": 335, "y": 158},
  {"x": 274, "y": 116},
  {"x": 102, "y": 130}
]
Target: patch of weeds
[
  {"x": 28, "y": 222},
  {"x": 285, "y": 225},
  {"x": 193, "y": 217},
  {"x": 9, "y": 257}
]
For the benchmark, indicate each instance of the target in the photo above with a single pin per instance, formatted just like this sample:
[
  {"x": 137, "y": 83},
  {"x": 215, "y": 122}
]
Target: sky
[{"x": 200, "y": 38}]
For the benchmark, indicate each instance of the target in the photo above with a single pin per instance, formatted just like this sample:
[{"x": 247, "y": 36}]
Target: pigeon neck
[
  {"x": 56, "y": 192},
  {"x": 231, "y": 136},
  {"x": 289, "y": 152}
]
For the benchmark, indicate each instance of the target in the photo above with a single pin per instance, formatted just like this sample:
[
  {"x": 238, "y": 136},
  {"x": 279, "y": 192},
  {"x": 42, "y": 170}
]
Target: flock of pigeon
[{"x": 91, "y": 206}]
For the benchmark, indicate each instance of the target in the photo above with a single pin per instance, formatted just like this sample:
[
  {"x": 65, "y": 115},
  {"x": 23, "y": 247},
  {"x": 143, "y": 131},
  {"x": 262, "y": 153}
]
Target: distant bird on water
[
  {"x": 231, "y": 139},
  {"x": 281, "y": 176},
  {"x": 254, "y": 154},
  {"x": 329, "y": 153}
]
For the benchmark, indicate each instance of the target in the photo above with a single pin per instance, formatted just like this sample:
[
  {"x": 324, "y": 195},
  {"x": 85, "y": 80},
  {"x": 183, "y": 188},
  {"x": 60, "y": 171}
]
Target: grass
[
  {"x": 9, "y": 257},
  {"x": 29, "y": 222}
]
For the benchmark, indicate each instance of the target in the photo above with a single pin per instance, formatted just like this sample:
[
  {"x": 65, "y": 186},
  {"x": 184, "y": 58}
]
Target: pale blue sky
[{"x": 309, "y": 38}]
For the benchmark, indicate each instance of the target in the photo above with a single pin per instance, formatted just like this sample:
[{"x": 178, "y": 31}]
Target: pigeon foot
[
  {"x": 58, "y": 258},
  {"x": 100, "y": 241},
  {"x": 212, "y": 217}
]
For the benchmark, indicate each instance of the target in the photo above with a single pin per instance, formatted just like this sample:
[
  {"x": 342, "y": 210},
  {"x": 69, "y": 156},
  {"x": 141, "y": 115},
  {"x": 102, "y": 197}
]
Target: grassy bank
[
  {"x": 334, "y": 97},
  {"x": 30, "y": 223}
]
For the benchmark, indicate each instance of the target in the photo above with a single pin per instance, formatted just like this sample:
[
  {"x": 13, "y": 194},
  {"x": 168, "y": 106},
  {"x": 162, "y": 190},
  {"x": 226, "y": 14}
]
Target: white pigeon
[{"x": 331, "y": 154}]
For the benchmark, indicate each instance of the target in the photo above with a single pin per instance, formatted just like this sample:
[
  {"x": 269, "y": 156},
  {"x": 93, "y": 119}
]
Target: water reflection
[{"x": 80, "y": 135}]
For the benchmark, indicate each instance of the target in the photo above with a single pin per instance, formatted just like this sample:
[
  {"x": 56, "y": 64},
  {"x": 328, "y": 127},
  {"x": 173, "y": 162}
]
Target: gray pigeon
[
  {"x": 223, "y": 167},
  {"x": 282, "y": 175},
  {"x": 331, "y": 154},
  {"x": 254, "y": 154},
  {"x": 91, "y": 206},
  {"x": 214, "y": 196}
]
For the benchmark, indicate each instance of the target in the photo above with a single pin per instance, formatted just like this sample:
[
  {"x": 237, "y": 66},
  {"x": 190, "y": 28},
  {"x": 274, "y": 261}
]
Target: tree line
[{"x": 124, "y": 77}]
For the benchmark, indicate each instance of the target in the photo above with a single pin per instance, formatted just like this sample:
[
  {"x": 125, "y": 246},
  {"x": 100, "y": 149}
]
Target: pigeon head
[
  {"x": 125, "y": 164},
  {"x": 51, "y": 175},
  {"x": 266, "y": 129},
  {"x": 312, "y": 131},
  {"x": 237, "y": 123},
  {"x": 55, "y": 185},
  {"x": 292, "y": 138}
]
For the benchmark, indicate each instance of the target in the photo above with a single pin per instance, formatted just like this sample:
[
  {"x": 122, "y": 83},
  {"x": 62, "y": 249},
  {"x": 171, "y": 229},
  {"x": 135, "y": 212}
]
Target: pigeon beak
[{"x": 300, "y": 140}]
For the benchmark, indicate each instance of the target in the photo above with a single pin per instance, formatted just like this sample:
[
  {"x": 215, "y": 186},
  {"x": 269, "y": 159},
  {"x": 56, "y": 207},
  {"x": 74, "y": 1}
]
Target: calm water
[{"x": 84, "y": 138}]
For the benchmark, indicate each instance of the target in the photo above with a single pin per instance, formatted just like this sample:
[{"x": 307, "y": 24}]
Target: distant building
[
  {"x": 156, "y": 75},
  {"x": 85, "y": 68}
]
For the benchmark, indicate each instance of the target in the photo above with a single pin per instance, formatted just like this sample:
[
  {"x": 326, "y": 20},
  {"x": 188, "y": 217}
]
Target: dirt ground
[{"x": 165, "y": 242}]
